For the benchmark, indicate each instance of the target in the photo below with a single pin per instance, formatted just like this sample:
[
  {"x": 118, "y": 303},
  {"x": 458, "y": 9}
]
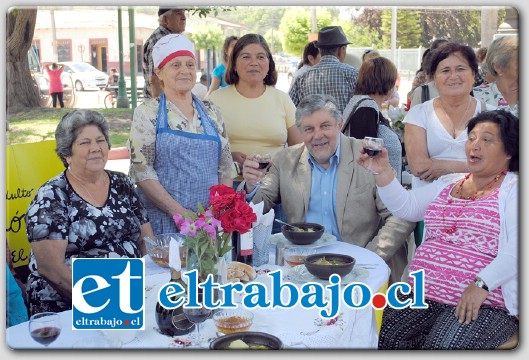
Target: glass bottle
[
  {"x": 173, "y": 322},
  {"x": 242, "y": 247}
]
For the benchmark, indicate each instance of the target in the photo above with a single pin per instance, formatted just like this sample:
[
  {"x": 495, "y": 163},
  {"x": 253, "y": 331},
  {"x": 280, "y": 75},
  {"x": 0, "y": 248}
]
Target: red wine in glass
[
  {"x": 372, "y": 146},
  {"x": 197, "y": 316},
  {"x": 46, "y": 335},
  {"x": 263, "y": 164},
  {"x": 372, "y": 152},
  {"x": 263, "y": 160},
  {"x": 45, "y": 327}
]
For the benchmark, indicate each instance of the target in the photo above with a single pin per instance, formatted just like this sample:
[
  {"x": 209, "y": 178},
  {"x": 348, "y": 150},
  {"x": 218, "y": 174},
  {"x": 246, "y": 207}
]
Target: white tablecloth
[{"x": 297, "y": 328}]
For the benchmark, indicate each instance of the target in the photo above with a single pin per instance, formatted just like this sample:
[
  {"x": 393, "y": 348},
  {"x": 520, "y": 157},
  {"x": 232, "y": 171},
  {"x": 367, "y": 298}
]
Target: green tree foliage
[
  {"x": 462, "y": 26},
  {"x": 276, "y": 46},
  {"x": 362, "y": 36},
  {"x": 408, "y": 28},
  {"x": 208, "y": 37},
  {"x": 258, "y": 20},
  {"x": 419, "y": 27},
  {"x": 296, "y": 26},
  {"x": 203, "y": 12}
]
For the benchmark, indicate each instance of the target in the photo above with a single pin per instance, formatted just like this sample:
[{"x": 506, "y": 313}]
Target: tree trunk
[{"x": 22, "y": 91}]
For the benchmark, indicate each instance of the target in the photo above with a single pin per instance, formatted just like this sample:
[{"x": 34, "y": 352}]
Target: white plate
[
  {"x": 300, "y": 274},
  {"x": 325, "y": 240}
]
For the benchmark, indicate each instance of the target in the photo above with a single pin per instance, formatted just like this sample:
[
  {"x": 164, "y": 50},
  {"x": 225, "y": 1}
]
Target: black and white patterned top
[
  {"x": 328, "y": 77},
  {"x": 58, "y": 213}
]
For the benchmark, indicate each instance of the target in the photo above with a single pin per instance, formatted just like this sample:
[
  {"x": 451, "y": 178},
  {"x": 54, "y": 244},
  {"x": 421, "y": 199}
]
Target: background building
[{"x": 90, "y": 35}]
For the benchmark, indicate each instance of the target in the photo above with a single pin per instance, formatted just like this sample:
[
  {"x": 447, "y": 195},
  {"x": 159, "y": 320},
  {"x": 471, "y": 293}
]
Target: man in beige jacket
[{"x": 320, "y": 181}]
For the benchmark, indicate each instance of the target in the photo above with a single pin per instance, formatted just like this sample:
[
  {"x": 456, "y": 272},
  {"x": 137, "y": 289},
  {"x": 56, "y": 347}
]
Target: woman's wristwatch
[{"x": 480, "y": 283}]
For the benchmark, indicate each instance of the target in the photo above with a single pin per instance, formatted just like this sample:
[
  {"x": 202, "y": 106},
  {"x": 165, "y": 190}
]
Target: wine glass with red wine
[
  {"x": 198, "y": 316},
  {"x": 372, "y": 146},
  {"x": 45, "y": 327},
  {"x": 264, "y": 160}
]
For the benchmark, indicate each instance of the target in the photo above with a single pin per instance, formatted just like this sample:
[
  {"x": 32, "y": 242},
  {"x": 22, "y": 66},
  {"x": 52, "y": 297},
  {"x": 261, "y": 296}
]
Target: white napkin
[
  {"x": 174, "y": 255},
  {"x": 266, "y": 219}
]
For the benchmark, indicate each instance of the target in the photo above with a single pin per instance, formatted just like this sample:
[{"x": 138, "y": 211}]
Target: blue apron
[{"x": 186, "y": 164}]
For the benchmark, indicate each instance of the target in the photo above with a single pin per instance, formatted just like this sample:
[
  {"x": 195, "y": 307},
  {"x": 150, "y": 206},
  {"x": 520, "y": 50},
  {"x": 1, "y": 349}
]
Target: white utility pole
[
  {"x": 54, "y": 36},
  {"x": 394, "y": 34}
]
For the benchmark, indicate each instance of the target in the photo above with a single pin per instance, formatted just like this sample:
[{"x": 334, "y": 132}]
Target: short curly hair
[{"x": 71, "y": 125}]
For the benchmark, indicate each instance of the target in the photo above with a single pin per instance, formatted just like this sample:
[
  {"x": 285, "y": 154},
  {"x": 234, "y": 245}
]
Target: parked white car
[{"x": 85, "y": 76}]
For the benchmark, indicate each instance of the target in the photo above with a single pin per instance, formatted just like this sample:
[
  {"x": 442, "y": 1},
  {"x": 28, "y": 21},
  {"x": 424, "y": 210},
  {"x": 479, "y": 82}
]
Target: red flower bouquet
[{"x": 208, "y": 232}]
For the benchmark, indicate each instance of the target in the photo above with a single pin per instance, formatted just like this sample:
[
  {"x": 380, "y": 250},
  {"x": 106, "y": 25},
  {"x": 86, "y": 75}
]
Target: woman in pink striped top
[{"x": 469, "y": 252}]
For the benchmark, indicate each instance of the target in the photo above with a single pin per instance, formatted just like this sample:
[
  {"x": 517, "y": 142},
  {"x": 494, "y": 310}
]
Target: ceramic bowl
[
  {"x": 343, "y": 266},
  {"x": 312, "y": 232},
  {"x": 252, "y": 338}
]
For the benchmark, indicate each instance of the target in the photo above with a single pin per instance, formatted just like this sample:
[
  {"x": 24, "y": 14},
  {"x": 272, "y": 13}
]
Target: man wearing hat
[
  {"x": 172, "y": 21},
  {"x": 330, "y": 76}
]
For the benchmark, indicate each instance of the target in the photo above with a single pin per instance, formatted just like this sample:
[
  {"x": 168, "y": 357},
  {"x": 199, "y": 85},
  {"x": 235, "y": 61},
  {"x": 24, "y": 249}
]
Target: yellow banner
[{"x": 28, "y": 166}]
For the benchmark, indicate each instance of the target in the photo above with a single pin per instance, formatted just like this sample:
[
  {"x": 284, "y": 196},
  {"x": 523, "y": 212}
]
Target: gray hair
[
  {"x": 500, "y": 53},
  {"x": 71, "y": 125},
  {"x": 316, "y": 102},
  {"x": 167, "y": 14}
]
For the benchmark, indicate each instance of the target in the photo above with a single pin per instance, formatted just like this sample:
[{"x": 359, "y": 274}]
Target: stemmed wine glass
[
  {"x": 198, "y": 316},
  {"x": 264, "y": 160},
  {"x": 372, "y": 146},
  {"x": 45, "y": 327}
]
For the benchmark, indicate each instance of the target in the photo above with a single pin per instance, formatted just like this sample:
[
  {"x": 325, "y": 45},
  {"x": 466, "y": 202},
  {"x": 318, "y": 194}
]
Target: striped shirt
[{"x": 329, "y": 77}]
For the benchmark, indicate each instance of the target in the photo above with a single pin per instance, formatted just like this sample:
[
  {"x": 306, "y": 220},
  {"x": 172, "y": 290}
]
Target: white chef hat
[{"x": 171, "y": 46}]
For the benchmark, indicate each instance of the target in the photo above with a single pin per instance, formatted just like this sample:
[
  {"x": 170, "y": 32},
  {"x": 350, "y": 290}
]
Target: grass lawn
[{"x": 38, "y": 124}]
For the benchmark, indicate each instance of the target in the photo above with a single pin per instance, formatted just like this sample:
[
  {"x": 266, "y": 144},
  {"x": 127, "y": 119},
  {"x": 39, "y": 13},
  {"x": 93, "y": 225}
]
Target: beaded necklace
[{"x": 452, "y": 229}]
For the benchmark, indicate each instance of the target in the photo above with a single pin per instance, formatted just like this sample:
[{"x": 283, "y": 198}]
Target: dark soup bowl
[
  {"x": 247, "y": 340},
  {"x": 309, "y": 233},
  {"x": 324, "y": 265}
]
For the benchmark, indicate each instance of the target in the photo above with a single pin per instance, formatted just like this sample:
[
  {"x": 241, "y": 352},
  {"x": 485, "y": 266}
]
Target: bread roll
[{"x": 235, "y": 269}]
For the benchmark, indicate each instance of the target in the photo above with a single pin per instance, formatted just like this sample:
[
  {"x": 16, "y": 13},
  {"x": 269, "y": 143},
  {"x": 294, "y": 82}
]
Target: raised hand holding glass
[
  {"x": 372, "y": 146},
  {"x": 264, "y": 160}
]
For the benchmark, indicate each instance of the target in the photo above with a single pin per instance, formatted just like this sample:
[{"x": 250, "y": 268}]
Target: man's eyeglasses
[{"x": 368, "y": 51}]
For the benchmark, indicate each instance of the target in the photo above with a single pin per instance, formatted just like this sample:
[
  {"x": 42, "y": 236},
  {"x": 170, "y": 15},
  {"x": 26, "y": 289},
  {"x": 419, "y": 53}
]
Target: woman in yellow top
[{"x": 259, "y": 118}]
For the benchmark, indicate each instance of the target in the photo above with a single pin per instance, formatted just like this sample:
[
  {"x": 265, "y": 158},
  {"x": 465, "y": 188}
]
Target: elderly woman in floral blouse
[
  {"x": 85, "y": 211},
  {"x": 178, "y": 145}
]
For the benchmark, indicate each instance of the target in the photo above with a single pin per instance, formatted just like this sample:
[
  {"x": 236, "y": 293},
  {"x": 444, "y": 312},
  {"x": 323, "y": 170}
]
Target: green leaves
[
  {"x": 201, "y": 254},
  {"x": 205, "y": 11}
]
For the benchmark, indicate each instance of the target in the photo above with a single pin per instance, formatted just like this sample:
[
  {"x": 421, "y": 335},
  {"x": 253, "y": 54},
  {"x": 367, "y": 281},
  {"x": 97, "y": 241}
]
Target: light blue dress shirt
[{"x": 322, "y": 203}]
